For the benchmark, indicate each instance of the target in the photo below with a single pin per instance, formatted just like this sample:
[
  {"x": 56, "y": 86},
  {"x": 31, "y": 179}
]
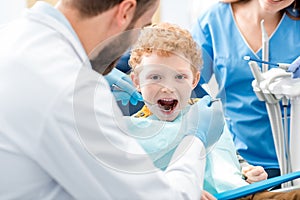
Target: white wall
[
  {"x": 182, "y": 12},
  {"x": 175, "y": 11},
  {"x": 11, "y": 9}
]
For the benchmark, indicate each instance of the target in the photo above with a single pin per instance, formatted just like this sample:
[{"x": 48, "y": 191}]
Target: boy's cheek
[{"x": 147, "y": 94}]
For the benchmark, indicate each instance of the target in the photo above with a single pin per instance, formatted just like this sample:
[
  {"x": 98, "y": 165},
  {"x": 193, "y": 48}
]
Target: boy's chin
[{"x": 168, "y": 118}]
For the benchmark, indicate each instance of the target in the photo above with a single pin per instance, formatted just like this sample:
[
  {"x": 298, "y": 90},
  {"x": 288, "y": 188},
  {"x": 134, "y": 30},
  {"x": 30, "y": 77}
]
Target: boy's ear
[
  {"x": 126, "y": 12},
  {"x": 196, "y": 79},
  {"x": 136, "y": 82}
]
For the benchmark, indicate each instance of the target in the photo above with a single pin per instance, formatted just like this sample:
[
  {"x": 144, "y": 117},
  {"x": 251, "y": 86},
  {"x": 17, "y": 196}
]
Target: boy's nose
[{"x": 167, "y": 89}]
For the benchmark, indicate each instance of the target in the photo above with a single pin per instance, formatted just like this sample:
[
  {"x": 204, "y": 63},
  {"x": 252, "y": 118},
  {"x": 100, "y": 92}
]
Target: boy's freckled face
[{"x": 166, "y": 83}]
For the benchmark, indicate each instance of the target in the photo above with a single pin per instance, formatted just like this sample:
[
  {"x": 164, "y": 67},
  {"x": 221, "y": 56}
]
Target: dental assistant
[
  {"x": 61, "y": 133},
  {"x": 227, "y": 32}
]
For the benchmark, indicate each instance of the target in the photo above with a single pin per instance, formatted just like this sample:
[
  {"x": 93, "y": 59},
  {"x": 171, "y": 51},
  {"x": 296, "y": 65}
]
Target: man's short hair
[{"x": 90, "y": 8}]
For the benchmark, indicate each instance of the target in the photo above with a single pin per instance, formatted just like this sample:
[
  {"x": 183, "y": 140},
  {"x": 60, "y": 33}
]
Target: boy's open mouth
[{"x": 167, "y": 104}]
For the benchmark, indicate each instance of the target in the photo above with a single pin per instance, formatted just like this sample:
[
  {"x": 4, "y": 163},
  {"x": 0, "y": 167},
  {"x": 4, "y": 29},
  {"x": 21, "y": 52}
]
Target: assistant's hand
[
  {"x": 207, "y": 196},
  {"x": 254, "y": 173},
  {"x": 295, "y": 68},
  {"x": 122, "y": 87},
  {"x": 205, "y": 120}
]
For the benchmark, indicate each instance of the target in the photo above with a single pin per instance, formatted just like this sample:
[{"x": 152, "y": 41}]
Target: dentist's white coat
[{"x": 59, "y": 131}]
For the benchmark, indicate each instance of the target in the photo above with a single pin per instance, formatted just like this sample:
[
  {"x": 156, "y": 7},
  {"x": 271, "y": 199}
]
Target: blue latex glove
[
  {"x": 122, "y": 87},
  {"x": 205, "y": 120},
  {"x": 295, "y": 68}
]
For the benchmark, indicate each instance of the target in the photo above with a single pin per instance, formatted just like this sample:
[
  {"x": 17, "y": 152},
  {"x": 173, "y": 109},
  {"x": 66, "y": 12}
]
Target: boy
[{"x": 165, "y": 62}]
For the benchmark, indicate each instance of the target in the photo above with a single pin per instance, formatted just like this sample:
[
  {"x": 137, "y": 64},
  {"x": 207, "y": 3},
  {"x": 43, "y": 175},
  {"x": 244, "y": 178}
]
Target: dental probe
[{"x": 283, "y": 66}]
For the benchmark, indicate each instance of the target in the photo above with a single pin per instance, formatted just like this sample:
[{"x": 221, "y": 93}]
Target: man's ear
[
  {"x": 136, "y": 82},
  {"x": 126, "y": 12},
  {"x": 196, "y": 79}
]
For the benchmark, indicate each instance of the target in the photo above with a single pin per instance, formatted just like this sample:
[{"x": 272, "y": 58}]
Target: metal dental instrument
[
  {"x": 283, "y": 66},
  {"x": 265, "y": 46}
]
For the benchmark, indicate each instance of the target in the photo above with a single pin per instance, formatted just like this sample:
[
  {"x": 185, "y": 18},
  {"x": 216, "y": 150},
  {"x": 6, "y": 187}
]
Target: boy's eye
[
  {"x": 155, "y": 77},
  {"x": 180, "y": 76}
]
